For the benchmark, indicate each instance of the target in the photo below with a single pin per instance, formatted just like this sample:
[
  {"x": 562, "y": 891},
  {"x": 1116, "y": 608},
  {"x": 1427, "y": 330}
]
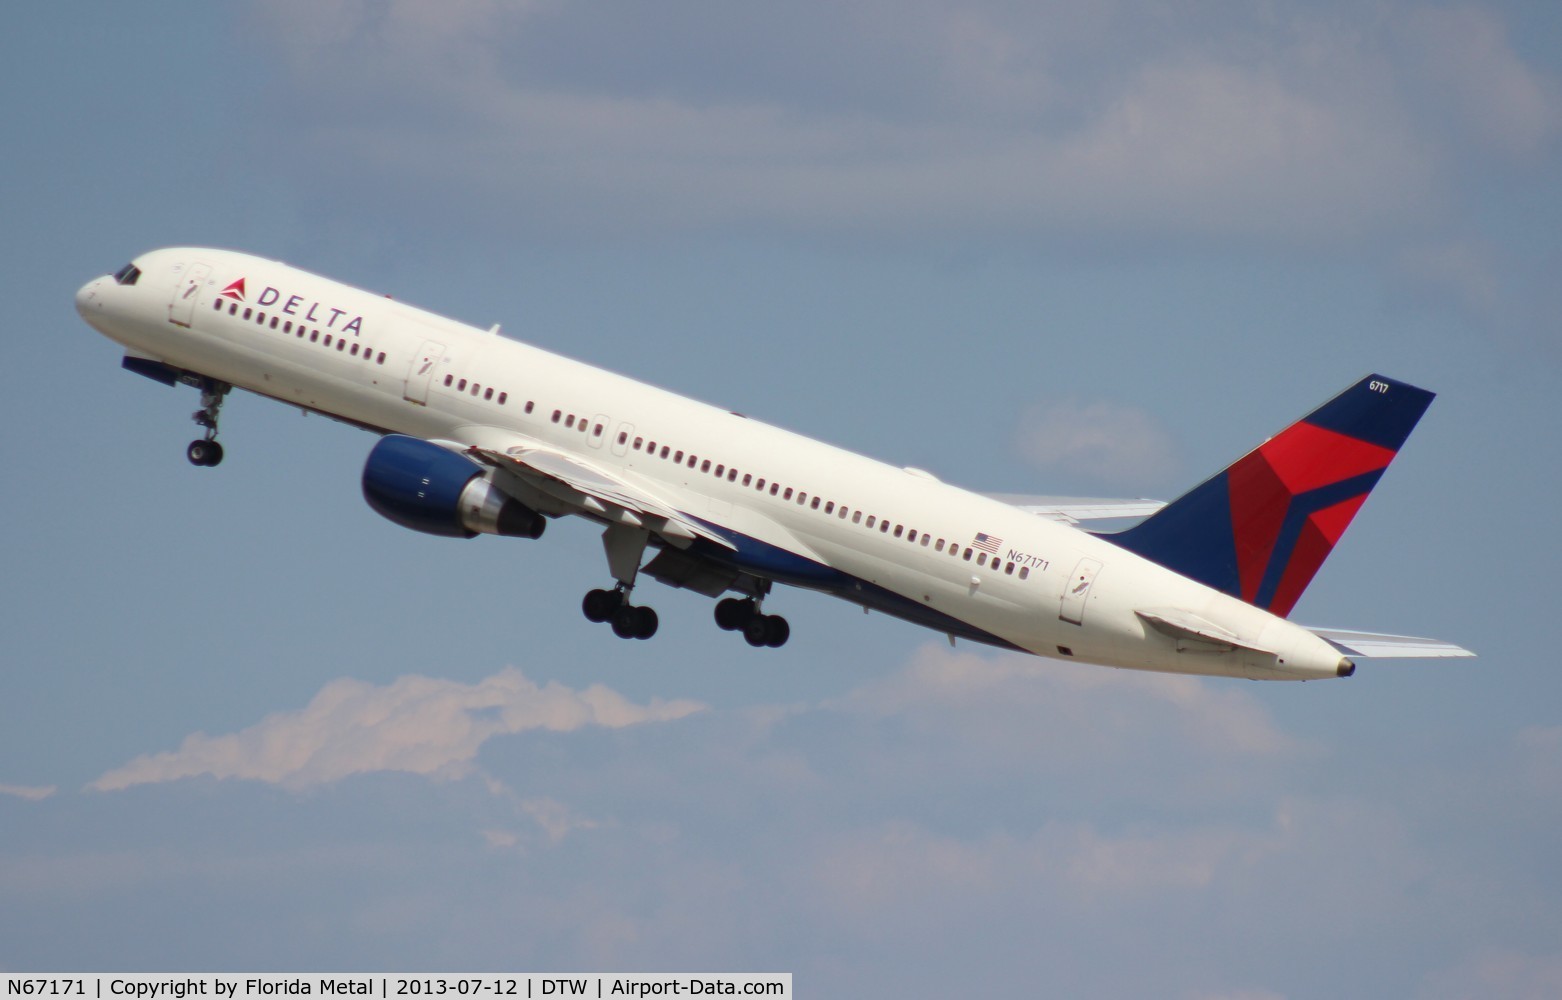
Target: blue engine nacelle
[{"x": 427, "y": 488}]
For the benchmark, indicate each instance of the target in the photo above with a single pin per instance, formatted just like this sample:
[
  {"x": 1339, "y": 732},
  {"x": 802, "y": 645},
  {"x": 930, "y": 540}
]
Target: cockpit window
[{"x": 127, "y": 275}]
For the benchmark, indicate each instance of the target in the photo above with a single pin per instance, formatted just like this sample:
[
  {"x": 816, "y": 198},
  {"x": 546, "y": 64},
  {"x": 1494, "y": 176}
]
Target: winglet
[{"x": 1260, "y": 529}]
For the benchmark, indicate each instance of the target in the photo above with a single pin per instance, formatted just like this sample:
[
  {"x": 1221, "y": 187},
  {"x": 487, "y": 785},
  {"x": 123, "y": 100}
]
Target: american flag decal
[{"x": 987, "y": 543}]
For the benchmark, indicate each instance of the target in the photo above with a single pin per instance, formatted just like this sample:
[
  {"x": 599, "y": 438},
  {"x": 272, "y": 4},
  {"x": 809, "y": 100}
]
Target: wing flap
[{"x": 594, "y": 490}]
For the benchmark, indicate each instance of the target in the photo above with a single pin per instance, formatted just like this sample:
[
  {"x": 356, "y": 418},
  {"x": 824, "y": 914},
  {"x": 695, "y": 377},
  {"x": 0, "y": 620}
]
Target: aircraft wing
[
  {"x": 1073, "y": 510},
  {"x": 578, "y": 483},
  {"x": 1375, "y": 645}
]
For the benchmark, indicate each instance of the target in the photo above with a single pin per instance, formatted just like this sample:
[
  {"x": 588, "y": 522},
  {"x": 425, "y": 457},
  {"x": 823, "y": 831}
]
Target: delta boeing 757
[{"x": 481, "y": 434}]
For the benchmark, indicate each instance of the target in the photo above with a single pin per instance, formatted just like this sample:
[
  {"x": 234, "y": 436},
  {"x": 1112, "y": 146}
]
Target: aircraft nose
[{"x": 87, "y": 297}]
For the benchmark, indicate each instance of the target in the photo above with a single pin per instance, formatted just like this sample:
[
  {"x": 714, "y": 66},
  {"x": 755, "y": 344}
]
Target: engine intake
[{"x": 421, "y": 486}]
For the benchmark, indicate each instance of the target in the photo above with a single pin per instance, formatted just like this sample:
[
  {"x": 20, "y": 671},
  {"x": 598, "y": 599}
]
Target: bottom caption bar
[{"x": 239, "y": 986}]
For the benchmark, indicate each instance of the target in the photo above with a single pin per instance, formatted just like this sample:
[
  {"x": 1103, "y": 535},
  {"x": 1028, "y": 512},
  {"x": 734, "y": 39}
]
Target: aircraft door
[
  {"x": 181, "y": 308},
  {"x": 621, "y": 438},
  {"x": 599, "y": 427},
  {"x": 1076, "y": 590},
  {"x": 421, "y": 371}
]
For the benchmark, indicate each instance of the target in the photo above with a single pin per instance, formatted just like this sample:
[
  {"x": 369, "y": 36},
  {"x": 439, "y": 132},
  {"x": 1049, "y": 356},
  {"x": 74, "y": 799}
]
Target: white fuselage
[{"x": 1045, "y": 587}]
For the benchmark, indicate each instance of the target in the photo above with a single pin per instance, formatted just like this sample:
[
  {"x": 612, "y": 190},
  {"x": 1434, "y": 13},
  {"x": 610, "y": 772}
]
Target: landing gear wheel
[
  {"x": 755, "y": 631},
  {"x": 767, "y": 630},
  {"x": 777, "y": 631},
  {"x": 204, "y": 452},
  {"x": 734, "y": 613},
  {"x": 645, "y": 623},
  {"x": 631, "y": 622},
  {"x": 600, "y": 605}
]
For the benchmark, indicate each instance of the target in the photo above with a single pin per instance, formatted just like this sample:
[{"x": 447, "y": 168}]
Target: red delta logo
[{"x": 235, "y": 291}]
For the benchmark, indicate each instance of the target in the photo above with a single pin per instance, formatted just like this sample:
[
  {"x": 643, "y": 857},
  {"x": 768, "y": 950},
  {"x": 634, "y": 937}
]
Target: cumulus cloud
[
  {"x": 416, "y": 724},
  {"x": 1106, "y": 441}
]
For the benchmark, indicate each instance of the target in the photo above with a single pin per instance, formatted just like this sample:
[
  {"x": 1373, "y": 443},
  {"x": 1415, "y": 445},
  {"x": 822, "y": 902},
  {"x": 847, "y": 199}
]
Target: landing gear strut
[
  {"x": 743, "y": 615},
  {"x": 205, "y": 450},
  {"x": 624, "y": 546}
]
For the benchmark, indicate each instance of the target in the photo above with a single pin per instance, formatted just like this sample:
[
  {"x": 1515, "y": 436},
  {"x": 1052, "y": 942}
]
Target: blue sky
[{"x": 1059, "y": 248}]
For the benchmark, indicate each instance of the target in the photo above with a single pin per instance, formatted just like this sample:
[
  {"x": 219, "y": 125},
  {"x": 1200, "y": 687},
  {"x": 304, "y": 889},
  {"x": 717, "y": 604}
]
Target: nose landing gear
[{"x": 205, "y": 450}]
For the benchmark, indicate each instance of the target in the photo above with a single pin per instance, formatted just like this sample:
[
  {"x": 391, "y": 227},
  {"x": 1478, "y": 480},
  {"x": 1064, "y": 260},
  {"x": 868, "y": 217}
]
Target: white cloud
[
  {"x": 1106, "y": 441},
  {"x": 33, "y": 793},
  {"x": 1498, "y": 972},
  {"x": 1473, "y": 76},
  {"x": 996, "y": 121},
  {"x": 416, "y": 724}
]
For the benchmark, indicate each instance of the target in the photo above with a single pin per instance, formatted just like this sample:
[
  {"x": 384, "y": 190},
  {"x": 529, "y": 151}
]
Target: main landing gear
[
  {"x": 624, "y": 546},
  {"x": 205, "y": 450},
  {"x": 743, "y": 615},
  {"x": 629, "y": 621}
]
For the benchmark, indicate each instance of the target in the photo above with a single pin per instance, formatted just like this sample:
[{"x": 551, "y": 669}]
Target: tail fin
[{"x": 1260, "y": 529}]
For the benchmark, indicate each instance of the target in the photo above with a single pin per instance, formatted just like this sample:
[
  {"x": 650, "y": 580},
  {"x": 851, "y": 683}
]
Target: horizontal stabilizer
[
  {"x": 1376, "y": 645},
  {"x": 1073, "y": 510}
]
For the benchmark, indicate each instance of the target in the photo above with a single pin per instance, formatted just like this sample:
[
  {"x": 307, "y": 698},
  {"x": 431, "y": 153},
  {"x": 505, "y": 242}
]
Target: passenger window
[
  {"x": 341, "y": 345},
  {"x": 488, "y": 393},
  {"x": 815, "y": 504},
  {"x": 967, "y": 555},
  {"x": 597, "y": 431},
  {"x": 273, "y": 322},
  {"x": 638, "y": 441},
  {"x": 556, "y": 416},
  {"x": 1024, "y": 572},
  {"x": 981, "y": 559},
  {"x": 247, "y": 312},
  {"x": 1008, "y": 569},
  {"x": 775, "y": 488},
  {"x": 328, "y": 340},
  {"x": 569, "y": 421},
  {"x": 787, "y": 494},
  {"x": 664, "y": 451},
  {"x": 380, "y": 360},
  {"x": 678, "y": 456},
  {"x": 475, "y": 388},
  {"x": 314, "y": 336},
  {"x": 694, "y": 460},
  {"x": 233, "y": 310},
  {"x": 747, "y": 479},
  {"x": 461, "y": 386},
  {"x": 704, "y": 466},
  {"x": 732, "y": 475},
  {"x": 883, "y": 527},
  {"x": 802, "y": 498},
  {"x": 871, "y": 520},
  {"x": 260, "y": 317}
]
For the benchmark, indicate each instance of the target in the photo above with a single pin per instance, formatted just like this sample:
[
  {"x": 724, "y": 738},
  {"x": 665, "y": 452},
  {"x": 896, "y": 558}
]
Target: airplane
[{"x": 483, "y": 434}]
